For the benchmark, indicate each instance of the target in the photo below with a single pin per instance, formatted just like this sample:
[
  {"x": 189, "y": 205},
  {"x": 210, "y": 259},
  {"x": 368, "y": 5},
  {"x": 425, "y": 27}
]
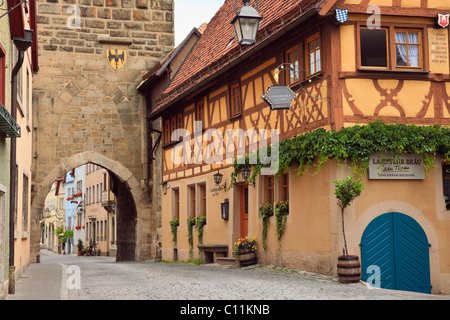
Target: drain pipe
[{"x": 22, "y": 45}]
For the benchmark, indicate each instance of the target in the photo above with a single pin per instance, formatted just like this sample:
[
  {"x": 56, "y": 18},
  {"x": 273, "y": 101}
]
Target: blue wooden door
[{"x": 397, "y": 244}]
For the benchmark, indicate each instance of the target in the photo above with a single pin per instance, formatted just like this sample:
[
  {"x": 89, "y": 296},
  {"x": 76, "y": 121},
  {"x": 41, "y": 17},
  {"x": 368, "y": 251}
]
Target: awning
[{"x": 7, "y": 124}]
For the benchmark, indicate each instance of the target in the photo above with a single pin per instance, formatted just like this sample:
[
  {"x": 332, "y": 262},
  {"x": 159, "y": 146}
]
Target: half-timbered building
[{"x": 348, "y": 62}]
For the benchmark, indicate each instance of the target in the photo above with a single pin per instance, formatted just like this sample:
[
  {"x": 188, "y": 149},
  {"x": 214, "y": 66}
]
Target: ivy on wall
[{"x": 353, "y": 145}]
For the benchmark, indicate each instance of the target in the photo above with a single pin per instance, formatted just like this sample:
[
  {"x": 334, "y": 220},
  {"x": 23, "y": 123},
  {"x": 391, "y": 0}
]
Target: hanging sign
[
  {"x": 279, "y": 97},
  {"x": 407, "y": 166}
]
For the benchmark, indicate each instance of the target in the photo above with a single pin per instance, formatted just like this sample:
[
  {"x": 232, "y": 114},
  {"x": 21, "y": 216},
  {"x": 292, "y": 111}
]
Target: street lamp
[
  {"x": 246, "y": 172},
  {"x": 246, "y": 23},
  {"x": 218, "y": 180}
]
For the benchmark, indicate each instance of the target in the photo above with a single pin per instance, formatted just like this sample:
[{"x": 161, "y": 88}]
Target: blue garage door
[{"x": 397, "y": 244}]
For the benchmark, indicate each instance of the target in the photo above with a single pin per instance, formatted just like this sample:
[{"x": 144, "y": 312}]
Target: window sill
[{"x": 395, "y": 71}]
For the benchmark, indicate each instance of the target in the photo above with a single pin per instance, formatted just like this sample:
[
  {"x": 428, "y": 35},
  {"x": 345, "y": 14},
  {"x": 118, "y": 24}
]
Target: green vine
[
  {"x": 190, "y": 224},
  {"x": 353, "y": 145},
  {"x": 281, "y": 213},
  {"x": 173, "y": 228},
  {"x": 201, "y": 221},
  {"x": 265, "y": 212}
]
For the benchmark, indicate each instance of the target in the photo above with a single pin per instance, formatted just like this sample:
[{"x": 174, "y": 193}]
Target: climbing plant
[
  {"x": 201, "y": 221},
  {"x": 281, "y": 213},
  {"x": 190, "y": 224},
  {"x": 353, "y": 145},
  {"x": 265, "y": 212},
  {"x": 173, "y": 228}
]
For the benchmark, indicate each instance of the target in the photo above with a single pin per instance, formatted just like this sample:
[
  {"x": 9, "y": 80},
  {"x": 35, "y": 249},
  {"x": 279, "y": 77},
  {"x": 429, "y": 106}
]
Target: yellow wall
[{"x": 313, "y": 236}]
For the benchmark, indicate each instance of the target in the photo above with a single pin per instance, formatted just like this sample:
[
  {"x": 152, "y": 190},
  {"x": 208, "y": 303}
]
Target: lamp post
[{"x": 246, "y": 23}]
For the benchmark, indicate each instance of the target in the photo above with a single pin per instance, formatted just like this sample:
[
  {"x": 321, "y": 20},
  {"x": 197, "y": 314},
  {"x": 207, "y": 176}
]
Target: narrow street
[{"x": 102, "y": 278}]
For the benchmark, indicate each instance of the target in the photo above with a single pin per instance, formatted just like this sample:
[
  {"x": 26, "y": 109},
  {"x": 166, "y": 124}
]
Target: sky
[{"x": 191, "y": 14}]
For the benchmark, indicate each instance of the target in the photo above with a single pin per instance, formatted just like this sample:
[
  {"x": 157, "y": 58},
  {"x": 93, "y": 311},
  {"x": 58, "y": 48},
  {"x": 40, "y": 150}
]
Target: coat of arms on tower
[
  {"x": 443, "y": 20},
  {"x": 116, "y": 58}
]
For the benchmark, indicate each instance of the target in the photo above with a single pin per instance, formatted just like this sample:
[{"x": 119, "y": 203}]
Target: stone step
[{"x": 227, "y": 261}]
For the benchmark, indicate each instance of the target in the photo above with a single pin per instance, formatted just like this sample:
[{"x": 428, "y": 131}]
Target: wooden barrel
[
  {"x": 247, "y": 258},
  {"x": 349, "y": 269}
]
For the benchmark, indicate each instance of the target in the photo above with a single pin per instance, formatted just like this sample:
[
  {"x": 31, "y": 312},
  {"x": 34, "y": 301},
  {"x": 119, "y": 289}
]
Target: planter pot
[
  {"x": 80, "y": 253},
  {"x": 247, "y": 258},
  {"x": 349, "y": 269}
]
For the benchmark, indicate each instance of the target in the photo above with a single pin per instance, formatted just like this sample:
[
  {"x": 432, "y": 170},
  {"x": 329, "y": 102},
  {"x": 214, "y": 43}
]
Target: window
[
  {"x": 235, "y": 100},
  {"x": 2, "y": 75},
  {"x": 291, "y": 57},
  {"x": 269, "y": 188},
  {"x": 191, "y": 191},
  {"x": 408, "y": 46},
  {"x": 203, "y": 200},
  {"x": 25, "y": 203},
  {"x": 166, "y": 132},
  {"x": 376, "y": 52},
  {"x": 284, "y": 187},
  {"x": 374, "y": 48},
  {"x": 199, "y": 112},
  {"x": 170, "y": 125},
  {"x": 446, "y": 183},
  {"x": 176, "y": 202},
  {"x": 312, "y": 55}
]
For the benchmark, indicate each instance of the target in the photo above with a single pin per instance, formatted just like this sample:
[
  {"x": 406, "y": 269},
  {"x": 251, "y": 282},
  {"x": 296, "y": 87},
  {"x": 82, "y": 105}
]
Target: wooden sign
[
  {"x": 405, "y": 167},
  {"x": 279, "y": 97},
  {"x": 438, "y": 47}
]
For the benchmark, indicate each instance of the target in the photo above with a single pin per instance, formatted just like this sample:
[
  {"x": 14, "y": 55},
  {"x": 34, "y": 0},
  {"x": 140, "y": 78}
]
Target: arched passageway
[{"x": 136, "y": 232}]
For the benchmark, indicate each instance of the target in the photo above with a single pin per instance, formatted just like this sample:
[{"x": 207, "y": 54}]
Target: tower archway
[{"x": 136, "y": 237}]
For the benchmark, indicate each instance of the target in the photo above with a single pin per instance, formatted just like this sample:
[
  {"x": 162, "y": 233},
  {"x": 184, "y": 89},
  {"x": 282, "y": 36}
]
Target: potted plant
[
  {"x": 80, "y": 247},
  {"x": 245, "y": 251},
  {"x": 349, "y": 268}
]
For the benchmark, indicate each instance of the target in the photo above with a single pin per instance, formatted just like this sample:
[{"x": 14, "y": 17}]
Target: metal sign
[
  {"x": 405, "y": 167},
  {"x": 279, "y": 97},
  {"x": 7, "y": 124},
  {"x": 443, "y": 20}
]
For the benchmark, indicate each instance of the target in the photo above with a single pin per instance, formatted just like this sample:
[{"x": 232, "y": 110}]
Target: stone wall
[{"x": 83, "y": 104}]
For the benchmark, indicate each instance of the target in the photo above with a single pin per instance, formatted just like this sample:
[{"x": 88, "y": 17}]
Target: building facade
[
  {"x": 54, "y": 217},
  {"x": 18, "y": 62},
  {"x": 346, "y": 68},
  {"x": 93, "y": 54},
  {"x": 79, "y": 184},
  {"x": 5, "y": 91}
]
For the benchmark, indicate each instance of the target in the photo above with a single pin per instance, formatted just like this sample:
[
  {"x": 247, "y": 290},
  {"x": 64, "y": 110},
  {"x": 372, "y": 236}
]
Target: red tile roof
[{"x": 216, "y": 48}]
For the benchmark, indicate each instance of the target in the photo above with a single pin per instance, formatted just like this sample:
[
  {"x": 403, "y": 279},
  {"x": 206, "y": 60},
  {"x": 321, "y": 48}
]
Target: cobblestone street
[{"x": 102, "y": 278}]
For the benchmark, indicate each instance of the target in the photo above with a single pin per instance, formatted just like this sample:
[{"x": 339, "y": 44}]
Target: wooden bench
[{"x": 211, "y": 250}]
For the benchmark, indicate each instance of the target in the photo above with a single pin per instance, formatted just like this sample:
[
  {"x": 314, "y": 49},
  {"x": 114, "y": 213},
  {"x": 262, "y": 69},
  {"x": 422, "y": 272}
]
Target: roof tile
[{"x": 219, "y": 43}]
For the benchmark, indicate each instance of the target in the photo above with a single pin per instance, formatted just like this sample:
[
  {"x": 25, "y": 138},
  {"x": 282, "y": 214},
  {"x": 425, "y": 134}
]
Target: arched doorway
[{"x": 398, "y": 246}]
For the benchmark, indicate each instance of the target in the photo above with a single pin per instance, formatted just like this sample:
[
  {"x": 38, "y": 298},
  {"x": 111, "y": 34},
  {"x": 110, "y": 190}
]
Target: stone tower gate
[{"x": 87, "y": 109}]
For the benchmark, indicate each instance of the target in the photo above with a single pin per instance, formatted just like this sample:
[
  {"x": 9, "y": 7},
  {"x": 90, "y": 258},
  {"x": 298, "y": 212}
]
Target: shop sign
[
  {"x": 279, "y": 97},
  {"x": 407, "y": 166}
]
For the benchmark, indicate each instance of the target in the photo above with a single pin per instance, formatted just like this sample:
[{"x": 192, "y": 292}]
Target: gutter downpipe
[
  {"x": 22, "y": 45},
  {"x": 253, "y": 50}
]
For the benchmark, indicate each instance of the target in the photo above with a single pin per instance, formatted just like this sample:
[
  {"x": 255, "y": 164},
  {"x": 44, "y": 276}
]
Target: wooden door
[{"x": 244, "y": 210}]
